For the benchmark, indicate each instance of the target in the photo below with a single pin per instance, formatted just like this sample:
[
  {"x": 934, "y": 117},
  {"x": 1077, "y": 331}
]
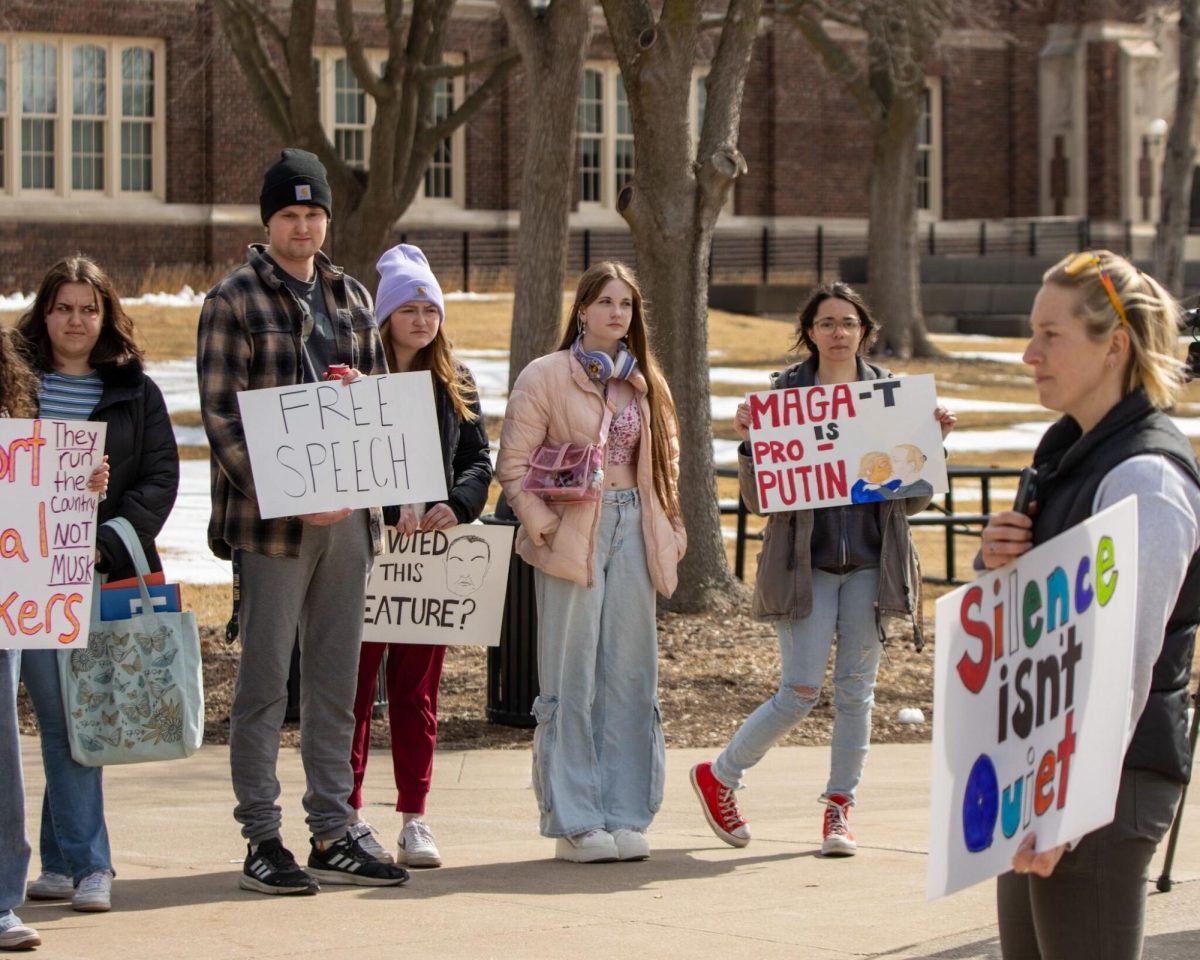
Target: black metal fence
[
  {"x": 942, "y": 515},
  {"x": 485, "y": 260}
]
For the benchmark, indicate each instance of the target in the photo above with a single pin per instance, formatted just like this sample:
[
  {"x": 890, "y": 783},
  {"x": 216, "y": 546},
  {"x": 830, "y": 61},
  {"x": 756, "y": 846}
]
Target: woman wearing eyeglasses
[
  {"x": 842, "y": 569},
  {"x": 1103, "y": 353}
]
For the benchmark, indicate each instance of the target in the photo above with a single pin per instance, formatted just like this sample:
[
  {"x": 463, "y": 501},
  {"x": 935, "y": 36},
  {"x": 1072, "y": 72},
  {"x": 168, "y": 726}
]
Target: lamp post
[{"x": 1152, "y": 140}]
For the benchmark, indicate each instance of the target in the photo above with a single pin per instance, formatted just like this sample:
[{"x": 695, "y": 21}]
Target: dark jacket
[
  {"x": 251, "y": 335},
  {"x": 143, "y": 464},
  {"x": 783, "y": 587},
  {"x": 465, "y": 454},
  {"x": 1070, "y": 467}
]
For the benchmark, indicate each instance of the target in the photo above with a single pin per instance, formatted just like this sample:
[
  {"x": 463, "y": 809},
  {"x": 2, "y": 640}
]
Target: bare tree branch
[
  {"x": 726, "y": 77},
  {"x": 470, "y": 106},
  {"x": 266, "y": 87},
  {"x": 835, "y": 57},
  {"x": 496, "y": 58},
  {"x": 368, "y": 79}
]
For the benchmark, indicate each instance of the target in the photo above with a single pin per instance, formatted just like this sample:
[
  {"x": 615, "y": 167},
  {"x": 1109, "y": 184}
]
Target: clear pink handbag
[{"x": 569, "y": 472}]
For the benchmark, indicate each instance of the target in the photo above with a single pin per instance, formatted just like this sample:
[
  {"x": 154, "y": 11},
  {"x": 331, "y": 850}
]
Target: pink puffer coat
[{"x": 554, "y": 401}]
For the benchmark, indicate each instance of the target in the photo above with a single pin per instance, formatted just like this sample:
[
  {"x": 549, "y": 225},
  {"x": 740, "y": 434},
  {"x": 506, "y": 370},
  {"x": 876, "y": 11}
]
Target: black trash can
[{"x": 512, "y": 679}]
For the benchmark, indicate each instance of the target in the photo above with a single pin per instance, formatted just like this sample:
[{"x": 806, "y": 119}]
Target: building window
[
  {"x": 137, "y": 119},
  {"x": 348, "y": 111},
  {"x": 604, "y": 134},
  {"x": 929, "y": 150},
  {"x": 590, "y": 137},
  {"x": 89, "y": 72},
  {"x": 65, "y": 131},
  {"x": 439, "y": 178},
  {"x": 3, "y": 113},
  {"x": 349, "y": 115}
]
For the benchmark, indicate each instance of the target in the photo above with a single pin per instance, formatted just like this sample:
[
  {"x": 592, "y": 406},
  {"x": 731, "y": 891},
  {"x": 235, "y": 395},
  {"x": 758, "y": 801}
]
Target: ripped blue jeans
[
  {"x": 845, "y": 603},
  {"x": 598, "y": 752}
]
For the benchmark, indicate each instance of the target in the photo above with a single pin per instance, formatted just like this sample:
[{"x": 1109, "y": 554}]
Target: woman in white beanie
[{"x": 412, "y": 316}]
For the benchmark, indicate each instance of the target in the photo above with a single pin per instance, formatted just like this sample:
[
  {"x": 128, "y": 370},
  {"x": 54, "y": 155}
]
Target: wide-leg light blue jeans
[
  {"x": 14, "y": 847},
  {"x": 598, "y": 751},
  {"x": 841, "y": 602},
  {"x": 74, "y": 836}
]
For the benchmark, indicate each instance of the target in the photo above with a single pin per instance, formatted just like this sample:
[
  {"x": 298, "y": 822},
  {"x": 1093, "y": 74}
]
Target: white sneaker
[
  {"x": 14, "y": 935},
  {"x": 365, "y": 834},
  {"x": 94, "y": 893},
  {"x": 417, "y": 848},
  {"x": 51, "y": 886},
  {"x": 595, "y": 846},
  {"x": 631, "y": 845}
]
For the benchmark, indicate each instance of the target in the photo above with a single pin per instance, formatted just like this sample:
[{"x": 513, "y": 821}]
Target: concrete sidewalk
[{"x": 178, "y": 853}]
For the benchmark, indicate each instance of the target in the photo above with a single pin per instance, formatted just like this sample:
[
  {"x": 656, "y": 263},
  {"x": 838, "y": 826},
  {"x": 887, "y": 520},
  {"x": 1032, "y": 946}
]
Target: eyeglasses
[
  {"x": 849, "y": 325},
  {"x": 1080, "y": 262}
]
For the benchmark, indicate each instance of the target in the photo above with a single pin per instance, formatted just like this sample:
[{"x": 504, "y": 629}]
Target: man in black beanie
[{"x": 284, "y": 317}]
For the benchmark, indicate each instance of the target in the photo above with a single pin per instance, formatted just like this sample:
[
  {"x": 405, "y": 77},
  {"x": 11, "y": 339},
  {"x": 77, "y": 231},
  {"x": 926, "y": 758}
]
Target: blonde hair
[
  {"x": 438, "y": 358},
  {"x": 663, "y": 420},
  {"x": 1153, "y": 326},
  {"x": 872, "y": 459}
]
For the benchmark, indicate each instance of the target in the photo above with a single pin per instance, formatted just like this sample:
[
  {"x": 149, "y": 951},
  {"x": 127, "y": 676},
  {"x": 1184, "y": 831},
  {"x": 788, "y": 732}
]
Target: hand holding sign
[
  {"x": 860, "y": 442},
  {"x": 320, "y": 448},
  {"x": 1032, "y": 679},
  {"x": 440, "y": 586}
]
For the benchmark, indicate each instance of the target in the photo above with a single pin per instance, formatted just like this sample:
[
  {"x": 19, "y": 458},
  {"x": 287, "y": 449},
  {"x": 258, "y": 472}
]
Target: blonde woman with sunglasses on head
[{"x": 1104, "y": 354}]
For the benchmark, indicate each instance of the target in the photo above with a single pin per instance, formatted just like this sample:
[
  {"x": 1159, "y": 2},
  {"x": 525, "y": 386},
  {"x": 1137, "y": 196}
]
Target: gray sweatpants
[{"x": 318, "y": 596}]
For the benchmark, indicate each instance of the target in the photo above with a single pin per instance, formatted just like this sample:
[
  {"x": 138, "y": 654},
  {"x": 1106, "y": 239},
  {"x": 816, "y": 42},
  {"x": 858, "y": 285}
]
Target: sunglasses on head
[{"x": 1079, "y": 262}]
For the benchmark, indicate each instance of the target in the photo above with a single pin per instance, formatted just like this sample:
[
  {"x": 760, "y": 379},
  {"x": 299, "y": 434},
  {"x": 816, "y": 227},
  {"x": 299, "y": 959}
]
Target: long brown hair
[
  {"x": 664, "y": 423},
  {"x": 18, "y": 383},
  {"x": 438, "y": 358},
  {"x": 116, "y": 344}
]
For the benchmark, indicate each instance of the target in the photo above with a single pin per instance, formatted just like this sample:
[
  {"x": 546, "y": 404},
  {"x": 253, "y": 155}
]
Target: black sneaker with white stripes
[
  {"x": 272, "y": 869},
  {"x": 345, "y": 861}
]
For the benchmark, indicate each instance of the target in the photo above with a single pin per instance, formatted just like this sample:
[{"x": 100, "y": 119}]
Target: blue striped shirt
[{"x": 64, "y": 396}]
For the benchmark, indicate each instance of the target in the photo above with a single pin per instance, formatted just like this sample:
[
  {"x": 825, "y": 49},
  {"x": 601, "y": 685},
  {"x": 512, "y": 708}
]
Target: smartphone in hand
[{"x": 1026, "y": 491}]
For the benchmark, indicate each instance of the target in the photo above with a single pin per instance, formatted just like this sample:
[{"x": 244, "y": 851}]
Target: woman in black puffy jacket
[{"x": 80, "y": 343}]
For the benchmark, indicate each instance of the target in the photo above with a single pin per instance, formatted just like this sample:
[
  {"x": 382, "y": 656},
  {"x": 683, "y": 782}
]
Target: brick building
[{"x": 127, "y": 131}]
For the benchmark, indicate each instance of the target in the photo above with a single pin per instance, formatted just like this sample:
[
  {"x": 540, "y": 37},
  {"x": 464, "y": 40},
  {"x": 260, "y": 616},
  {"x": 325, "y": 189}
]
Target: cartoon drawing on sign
[
  {"x": 907, "y": 463},
  {"x": 875, "y": 481},
  {"x": 467, "y": 560}
]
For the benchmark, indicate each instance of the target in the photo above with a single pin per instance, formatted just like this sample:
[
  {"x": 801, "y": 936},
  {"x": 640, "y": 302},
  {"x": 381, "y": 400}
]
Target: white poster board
[
  {"x": 47, "y": 531},
  {"x": 444, "y": 586},
  {"x": 324, "y": 446},
  {"x": 860, "y": 442},
  {"x": 1031, "y": 696}
]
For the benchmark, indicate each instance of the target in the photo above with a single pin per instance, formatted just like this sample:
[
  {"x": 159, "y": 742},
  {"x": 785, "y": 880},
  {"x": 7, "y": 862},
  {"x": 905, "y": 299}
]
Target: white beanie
[{"x": 404, "y": 275}]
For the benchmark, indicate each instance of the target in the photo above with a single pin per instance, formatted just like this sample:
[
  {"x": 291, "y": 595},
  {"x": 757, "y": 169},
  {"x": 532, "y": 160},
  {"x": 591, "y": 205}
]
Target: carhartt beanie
[
  {"x": 296, "y": 177},
  {"x": 404, "y": 274}
]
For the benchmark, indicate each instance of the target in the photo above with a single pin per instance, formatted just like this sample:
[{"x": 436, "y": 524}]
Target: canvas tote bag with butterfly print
[{"x": 136, "y": 692}]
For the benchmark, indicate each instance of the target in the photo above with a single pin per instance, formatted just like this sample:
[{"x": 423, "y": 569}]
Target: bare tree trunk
[
  {"x": 553, "y": 46},
  {"x": 671, "y": 205},
  {"x": 1180, "y": 159},
  {"x": 892, "y": 261},
  {"x": 357, "y": 237}
]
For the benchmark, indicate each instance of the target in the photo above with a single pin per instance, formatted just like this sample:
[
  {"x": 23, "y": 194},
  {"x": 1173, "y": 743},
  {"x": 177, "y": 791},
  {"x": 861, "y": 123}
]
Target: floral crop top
[{"x": 625, "y": 434}]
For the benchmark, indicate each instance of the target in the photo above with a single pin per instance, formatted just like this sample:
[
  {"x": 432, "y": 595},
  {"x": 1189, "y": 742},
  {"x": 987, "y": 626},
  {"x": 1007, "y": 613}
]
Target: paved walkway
[{"x": 500, "y": 895}]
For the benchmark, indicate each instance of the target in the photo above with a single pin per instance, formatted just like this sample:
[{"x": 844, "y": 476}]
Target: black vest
[{"x": 1070, "y": 467}]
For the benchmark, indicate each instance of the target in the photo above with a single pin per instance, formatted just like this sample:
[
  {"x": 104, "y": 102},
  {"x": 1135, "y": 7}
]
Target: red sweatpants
[{"x": 413, "y": 674}]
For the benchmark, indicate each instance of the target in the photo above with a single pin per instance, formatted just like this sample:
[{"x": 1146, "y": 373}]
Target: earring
[{"x": 580, "y": 323}]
